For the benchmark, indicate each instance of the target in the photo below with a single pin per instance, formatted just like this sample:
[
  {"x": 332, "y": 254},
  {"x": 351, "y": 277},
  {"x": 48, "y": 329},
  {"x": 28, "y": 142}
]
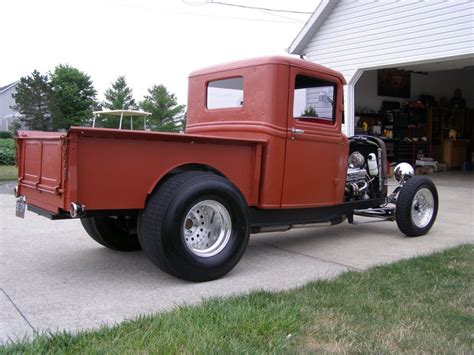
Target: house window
[
  {"x": 314, "y": 100},
  {"x": 226, "y": 93}
]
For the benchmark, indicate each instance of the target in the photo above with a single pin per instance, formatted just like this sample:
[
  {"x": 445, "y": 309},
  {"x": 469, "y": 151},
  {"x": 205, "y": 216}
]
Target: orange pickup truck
[{"x": 263, "y": 151}]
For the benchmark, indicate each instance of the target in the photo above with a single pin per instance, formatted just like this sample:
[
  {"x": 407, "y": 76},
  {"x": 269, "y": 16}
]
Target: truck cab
[{"x": 296, "y": 107}]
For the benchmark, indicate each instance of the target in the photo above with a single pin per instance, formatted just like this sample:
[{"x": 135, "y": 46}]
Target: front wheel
[
  {"x": 417, "y": 206},
  {"x": 195, "y": 226}
]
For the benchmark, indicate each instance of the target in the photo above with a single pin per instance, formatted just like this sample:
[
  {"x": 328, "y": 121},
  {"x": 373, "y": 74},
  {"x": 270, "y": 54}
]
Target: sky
[{"x": 148, "y": 41}]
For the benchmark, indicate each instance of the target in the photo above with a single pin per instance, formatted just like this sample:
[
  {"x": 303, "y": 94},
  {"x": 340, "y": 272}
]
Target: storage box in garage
[
  {"x": 454, "y": 153},
  {"x": 424, "y": 170}
]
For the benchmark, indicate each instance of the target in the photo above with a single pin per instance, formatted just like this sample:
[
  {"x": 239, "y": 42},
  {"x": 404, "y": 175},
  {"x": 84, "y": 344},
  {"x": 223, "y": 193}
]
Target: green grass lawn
[
  {"x": 419, "y": 305},
  {"x": 8, "y": 173}
]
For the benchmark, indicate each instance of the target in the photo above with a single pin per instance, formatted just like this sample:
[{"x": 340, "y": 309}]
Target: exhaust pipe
[
  {"x": 76, "y": 210},
  {"x": 269, "y": 229}
]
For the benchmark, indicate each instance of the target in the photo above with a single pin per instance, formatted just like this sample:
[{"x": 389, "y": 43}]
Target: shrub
[
  {"x": 309, "y": 111},
  {"x": 5, "y": 134},
  {"x": 14, "y": 127},
  {"x": 7, "y": 151}
]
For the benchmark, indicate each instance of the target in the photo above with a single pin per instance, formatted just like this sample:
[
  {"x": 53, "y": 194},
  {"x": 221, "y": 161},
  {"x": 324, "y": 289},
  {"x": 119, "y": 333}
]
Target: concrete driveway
[{"x": 54, "y": 277}]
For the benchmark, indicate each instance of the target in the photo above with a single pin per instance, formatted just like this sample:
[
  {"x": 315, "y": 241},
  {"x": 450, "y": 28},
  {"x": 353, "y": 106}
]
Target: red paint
[{"x": 253, "y": 146}]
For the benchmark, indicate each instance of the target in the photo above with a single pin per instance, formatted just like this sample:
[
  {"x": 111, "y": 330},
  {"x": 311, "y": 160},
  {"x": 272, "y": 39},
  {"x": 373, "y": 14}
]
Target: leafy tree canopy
[
  {"x": 166, "y": 114},
  {"x": 73, "y": 97},
  {"x": 64, "y": 98},
  {"x": 32, "y": 101}
]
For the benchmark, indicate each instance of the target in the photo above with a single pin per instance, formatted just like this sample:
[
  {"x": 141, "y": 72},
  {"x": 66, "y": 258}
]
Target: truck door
[{"x": 316, "y": 150}]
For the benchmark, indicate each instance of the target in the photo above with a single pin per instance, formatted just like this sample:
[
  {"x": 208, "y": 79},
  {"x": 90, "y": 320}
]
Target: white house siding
[
  {"x": 316, "y": 98},
  {"x": 360, "y": 35},
  {"x": 374, "y": 34},
  {"x": 7, "y": 115}
]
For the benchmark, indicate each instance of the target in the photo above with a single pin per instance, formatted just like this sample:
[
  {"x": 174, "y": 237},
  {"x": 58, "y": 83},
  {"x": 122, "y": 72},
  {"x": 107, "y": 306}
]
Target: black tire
[
  {"x": 405, "y": 220},
  {"x": 114, "y": 233},
  {"x": 162, "y": 224}
]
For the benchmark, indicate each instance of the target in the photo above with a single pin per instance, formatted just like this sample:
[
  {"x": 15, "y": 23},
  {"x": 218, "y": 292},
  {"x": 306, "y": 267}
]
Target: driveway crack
[
  {"x": 310, "y": 256},
  {"x": 18, "y": 310}
]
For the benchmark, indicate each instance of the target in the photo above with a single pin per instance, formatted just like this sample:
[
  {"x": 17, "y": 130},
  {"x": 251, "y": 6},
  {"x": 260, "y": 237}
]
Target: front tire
[
  {"x": 195, "y": 226},
  {"x": 417, "y": 206}
]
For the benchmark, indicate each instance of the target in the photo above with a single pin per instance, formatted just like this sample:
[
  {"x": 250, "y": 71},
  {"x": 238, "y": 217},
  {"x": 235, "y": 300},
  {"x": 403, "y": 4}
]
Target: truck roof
[{"x": 290, "y": 61}]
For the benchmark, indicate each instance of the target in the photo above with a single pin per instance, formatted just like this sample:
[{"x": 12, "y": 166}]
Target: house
[
  {"x": 7, "y": 115},
  {"x": 392, "y": 54}
]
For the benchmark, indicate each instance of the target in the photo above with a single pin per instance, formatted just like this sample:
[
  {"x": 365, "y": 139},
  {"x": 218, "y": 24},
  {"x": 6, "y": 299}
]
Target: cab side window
[{"x": 314, "y": 100}]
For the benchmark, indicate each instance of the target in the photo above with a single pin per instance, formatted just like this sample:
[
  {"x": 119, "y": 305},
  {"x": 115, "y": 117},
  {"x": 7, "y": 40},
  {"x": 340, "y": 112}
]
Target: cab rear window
[{"x": 225, "y": 93}]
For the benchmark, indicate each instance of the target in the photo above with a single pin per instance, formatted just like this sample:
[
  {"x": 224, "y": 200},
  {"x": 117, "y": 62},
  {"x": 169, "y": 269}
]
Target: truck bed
[{"x": 111, "y": 170}]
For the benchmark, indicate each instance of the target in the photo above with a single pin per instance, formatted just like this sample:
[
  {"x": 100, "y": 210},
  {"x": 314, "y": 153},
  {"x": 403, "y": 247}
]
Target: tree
[
  {"x": 166, "y": 114},
  {"x": 309, "y": 111},
  {"x": 32, "y": 101},
  {"x": 64, "y": 98},
  {"x": 73, "y": 97},
  {"x": 14, "y": 127},
  {"x": 119, "y": 96}
]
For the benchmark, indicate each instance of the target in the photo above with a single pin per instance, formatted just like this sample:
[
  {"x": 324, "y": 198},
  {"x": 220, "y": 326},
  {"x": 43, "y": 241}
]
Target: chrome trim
[
  {"x": 297, "y": 131},
  {"x": 76, "y": 210},
  {"x": 422, "y": 208},
  {"x": 207, "y": 228},
  {"x": 403, "y": 172}
]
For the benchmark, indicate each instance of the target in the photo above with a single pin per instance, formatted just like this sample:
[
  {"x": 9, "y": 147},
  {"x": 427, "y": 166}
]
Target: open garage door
[{"x": 424, "y": 112}]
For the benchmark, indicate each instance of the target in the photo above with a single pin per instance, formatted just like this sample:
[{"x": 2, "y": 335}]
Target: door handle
[{"x": 297, "y": 131}]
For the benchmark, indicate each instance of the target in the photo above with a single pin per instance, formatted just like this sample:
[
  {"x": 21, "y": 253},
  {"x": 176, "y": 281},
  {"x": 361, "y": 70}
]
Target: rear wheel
[
  {"x": 195, "y": 226},
  {"x": 118, "y": 233},
  {"x": 417, "y": 206}
]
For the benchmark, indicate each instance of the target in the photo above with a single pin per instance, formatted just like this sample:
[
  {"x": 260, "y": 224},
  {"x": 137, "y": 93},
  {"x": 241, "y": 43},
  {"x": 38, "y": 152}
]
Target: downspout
[
  {"x": 349, "y": 109},
  {"x": 349, "y": 104}
]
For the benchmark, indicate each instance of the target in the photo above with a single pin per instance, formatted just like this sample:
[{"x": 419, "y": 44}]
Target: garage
[
  {"x": 409, "y": 68},
  {"x": 424, "y": 112}
]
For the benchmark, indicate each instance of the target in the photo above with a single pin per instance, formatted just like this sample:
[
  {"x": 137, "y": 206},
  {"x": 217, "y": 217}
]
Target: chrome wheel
[
  {"x": 207, "y": 228},
  {"x": 422, "y": 208}
]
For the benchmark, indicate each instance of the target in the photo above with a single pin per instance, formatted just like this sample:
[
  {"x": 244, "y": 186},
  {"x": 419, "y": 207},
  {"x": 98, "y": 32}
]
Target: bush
[
  {"x": 14, "y": 127},
  {"x": 309, "y": 111},
  {"x": 5, "y": 134},
  {"x": 7, "y": 151}
]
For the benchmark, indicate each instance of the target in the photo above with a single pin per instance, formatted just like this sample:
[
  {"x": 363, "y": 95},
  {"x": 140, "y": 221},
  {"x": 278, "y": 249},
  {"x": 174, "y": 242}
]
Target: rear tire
[
  {"x": 195, "y": 226},
  {"x": 113, "y": 233},
  {"x": 417, "y": 206}
]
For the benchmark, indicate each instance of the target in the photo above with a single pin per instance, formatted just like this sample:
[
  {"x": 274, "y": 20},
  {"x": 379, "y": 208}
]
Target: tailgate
[{"x": 41, "y": 168}]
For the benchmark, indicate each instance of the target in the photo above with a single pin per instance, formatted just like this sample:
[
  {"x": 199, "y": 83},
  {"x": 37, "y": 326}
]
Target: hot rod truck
[{"x": 263, "y": 151}]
